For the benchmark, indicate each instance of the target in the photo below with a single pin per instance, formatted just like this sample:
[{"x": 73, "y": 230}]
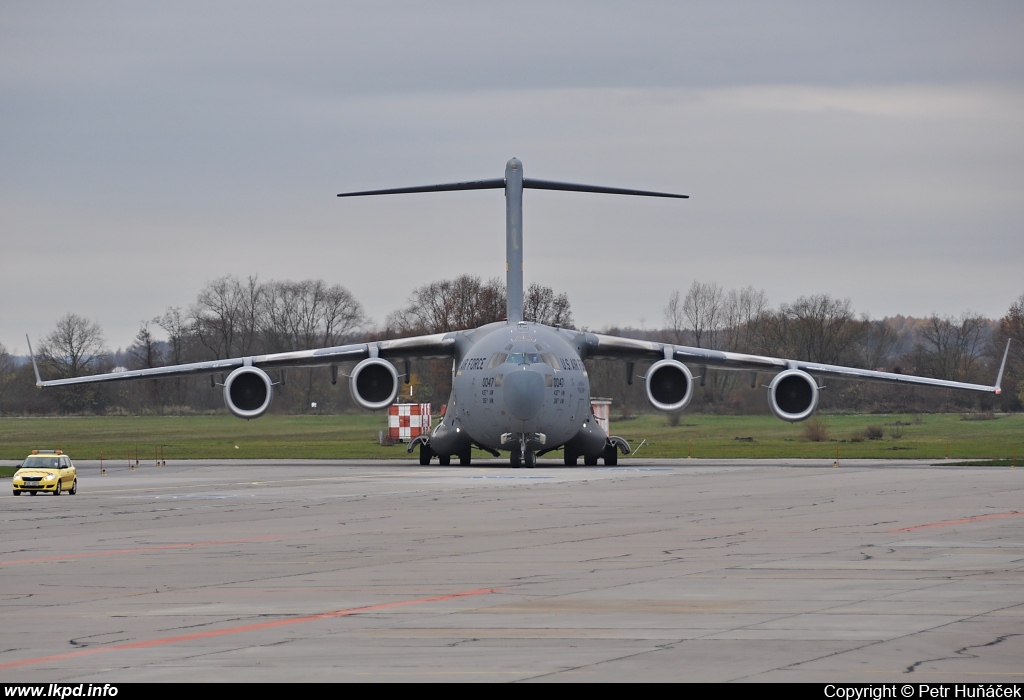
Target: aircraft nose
[{"x": 524, "y": 394}]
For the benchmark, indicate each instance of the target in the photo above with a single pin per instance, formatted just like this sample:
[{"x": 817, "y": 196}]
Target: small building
[
  {"x": 602, "y": 409},
  {"x": 408, "y": 420}
]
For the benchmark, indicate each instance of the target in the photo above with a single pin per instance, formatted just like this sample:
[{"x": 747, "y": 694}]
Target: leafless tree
[
  {"x": 180, "y": 337},
  {"x": 744, "y": 311},
  {"x": 820, "y": 328},
  {"x": 703, "y": 309},
  {"x": 6, "y": 377},
  {"x": 145, "y": 351},
  {"x": 881, "y": 345},
  {"x": 74, "y": 348},
  {"x": 226, "y": 314},
  {"x": 950, "y": 348},
  {"x": 544, "y": 306},
  {"x": 675, "y": 319},
  {"x": 178, "y": 328},
  {"x": 1011, "y": 327},
  {"x": 450, "y": 305}
]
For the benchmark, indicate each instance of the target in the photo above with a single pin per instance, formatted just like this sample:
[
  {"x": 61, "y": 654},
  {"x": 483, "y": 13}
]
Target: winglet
[
  {"x": 999, "y": 377},
  {"x": 39, "y": 380}
]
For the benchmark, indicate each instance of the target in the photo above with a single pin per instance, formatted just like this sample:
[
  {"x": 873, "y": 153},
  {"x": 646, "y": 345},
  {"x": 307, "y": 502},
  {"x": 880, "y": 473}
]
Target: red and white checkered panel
[{"x": 408, "y": 420}]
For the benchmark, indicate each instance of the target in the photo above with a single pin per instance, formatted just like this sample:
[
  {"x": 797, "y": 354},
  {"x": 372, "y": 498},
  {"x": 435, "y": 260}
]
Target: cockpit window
[{"x": 523, "y": 358}]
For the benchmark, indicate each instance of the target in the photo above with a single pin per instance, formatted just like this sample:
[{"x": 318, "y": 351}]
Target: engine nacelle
[
  {"x": 793, "y": 395},
  {"x": 374, "y": 384},
  {"x": 248, "y": 392},
  {"x": 668, "y": 385}
]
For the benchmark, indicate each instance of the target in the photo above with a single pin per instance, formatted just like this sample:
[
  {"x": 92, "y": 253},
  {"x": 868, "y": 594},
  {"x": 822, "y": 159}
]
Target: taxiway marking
[
  {"x": 958, "y": 522},
  {"x": 247, "y": 628}
]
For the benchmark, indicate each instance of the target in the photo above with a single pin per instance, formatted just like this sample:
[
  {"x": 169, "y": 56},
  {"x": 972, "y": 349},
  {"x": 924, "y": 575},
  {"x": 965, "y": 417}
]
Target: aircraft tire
[
  {"x": 531, "y": 459},
  {"x": 611, "y": 456},
  {"x": 444, "y": 460},
  {"x": 466, "y": 458},
  {"x": 590, "y": 461},
  {"x": 514, "y": 459},
  {"x": 425, "y": 455},
  {"x": 569, "y": 458}
]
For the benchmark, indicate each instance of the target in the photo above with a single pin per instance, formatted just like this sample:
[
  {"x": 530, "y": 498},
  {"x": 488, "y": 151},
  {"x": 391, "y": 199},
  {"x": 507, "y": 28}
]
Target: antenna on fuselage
[{"x": 514, "y": 183}]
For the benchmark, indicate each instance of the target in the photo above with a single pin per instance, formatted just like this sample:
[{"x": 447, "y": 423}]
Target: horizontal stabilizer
[
  {"x": 494, "y": 184},
  {"x": 528, "y": 183},
  {"x": 572, "y": 187}
]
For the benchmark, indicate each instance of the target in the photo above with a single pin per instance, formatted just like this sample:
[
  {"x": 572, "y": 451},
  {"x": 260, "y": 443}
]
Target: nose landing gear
[{"x": 523, "y": 454}]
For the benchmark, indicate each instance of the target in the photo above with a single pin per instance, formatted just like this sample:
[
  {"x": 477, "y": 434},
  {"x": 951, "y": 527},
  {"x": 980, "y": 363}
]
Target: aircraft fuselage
[{"x": 513, "y": 383}]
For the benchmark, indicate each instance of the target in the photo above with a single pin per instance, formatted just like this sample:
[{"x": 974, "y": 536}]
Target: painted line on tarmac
[
  {"x": 247, "y": 628},
  {"x": 958, "y": 522},
  {"x": 112, "y": 552}
]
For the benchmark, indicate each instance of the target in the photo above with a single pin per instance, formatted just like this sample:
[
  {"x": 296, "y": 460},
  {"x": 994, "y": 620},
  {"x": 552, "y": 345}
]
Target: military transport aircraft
[{"x": 520, "y": 386}]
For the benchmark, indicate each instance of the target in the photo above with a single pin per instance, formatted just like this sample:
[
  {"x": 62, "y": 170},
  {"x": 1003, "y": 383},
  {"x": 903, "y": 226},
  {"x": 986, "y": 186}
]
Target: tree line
[{"x": 234, "y": 317}]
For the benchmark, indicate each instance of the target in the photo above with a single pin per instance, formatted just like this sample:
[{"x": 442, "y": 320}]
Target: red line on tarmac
[
  {"x": 111, "y": 552},
  {"x": 957, "y": 522},
  {"x": 246, "y": 628}
]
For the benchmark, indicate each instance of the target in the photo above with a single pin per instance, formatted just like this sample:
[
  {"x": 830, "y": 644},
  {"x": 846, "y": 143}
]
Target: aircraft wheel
[
  {"x": 611, "y": 456},
  {"x": 514, "y": 459},
  {"x": 425, "y": 455},
  {"x": 74, "y": 488},
  {"x": 590, "y": 461},
  {"x": 465, "y": 458},
  {"x": 444, "y": 460},
  {"x": 531, "y": 459},
  {"x": 569, "y": 458}
]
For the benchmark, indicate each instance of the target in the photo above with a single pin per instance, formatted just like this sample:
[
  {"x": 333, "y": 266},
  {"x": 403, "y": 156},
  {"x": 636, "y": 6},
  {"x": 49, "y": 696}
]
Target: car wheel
[
  {"x": 17, "y": 493},
  {"x": 32, "y": 492},
  {"x": 56, "y": 491},
  {"x": 74, "y": 488}
]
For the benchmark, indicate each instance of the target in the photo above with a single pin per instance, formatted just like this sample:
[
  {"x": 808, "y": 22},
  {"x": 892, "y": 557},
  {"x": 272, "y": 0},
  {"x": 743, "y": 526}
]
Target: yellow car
[{"x": 50, "y": 471}]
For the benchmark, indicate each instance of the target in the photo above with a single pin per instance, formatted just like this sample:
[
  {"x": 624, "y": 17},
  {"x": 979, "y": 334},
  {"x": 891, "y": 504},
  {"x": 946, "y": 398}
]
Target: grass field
[{"x": 355, "y": 436}]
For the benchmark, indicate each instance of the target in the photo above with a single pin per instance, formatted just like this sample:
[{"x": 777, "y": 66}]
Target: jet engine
[
  {"x": 374, "y": 384},
  {"x": 668, "y": 385},
  {"x": 793, "y": 395},
  {"x": 247, "y": 392}
]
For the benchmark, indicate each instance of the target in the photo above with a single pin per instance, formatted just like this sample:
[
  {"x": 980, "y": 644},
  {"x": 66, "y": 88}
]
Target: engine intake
[
  {"x": 793, "y": 395},
  {"x": 248, "y": 392},
  {"x": 668, "y": 385},
  {"x": 374, "y": 384}
]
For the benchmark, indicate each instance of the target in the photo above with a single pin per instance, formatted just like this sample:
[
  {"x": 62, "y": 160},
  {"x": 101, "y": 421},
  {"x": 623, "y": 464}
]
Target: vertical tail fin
[{"x": 514, "y": 240}]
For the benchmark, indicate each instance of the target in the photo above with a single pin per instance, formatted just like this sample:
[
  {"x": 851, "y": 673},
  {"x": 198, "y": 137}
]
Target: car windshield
[{"x": 40, "y": 463}]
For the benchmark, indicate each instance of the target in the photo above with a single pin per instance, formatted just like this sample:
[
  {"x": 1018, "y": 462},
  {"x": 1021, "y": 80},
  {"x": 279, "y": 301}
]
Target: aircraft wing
[
  {"x": 423, "y": 346},
  {"x": 613, "y": 347}
]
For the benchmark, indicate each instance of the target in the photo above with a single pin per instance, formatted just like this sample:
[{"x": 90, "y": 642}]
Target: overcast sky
[{"x": 873, "y": 151}]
